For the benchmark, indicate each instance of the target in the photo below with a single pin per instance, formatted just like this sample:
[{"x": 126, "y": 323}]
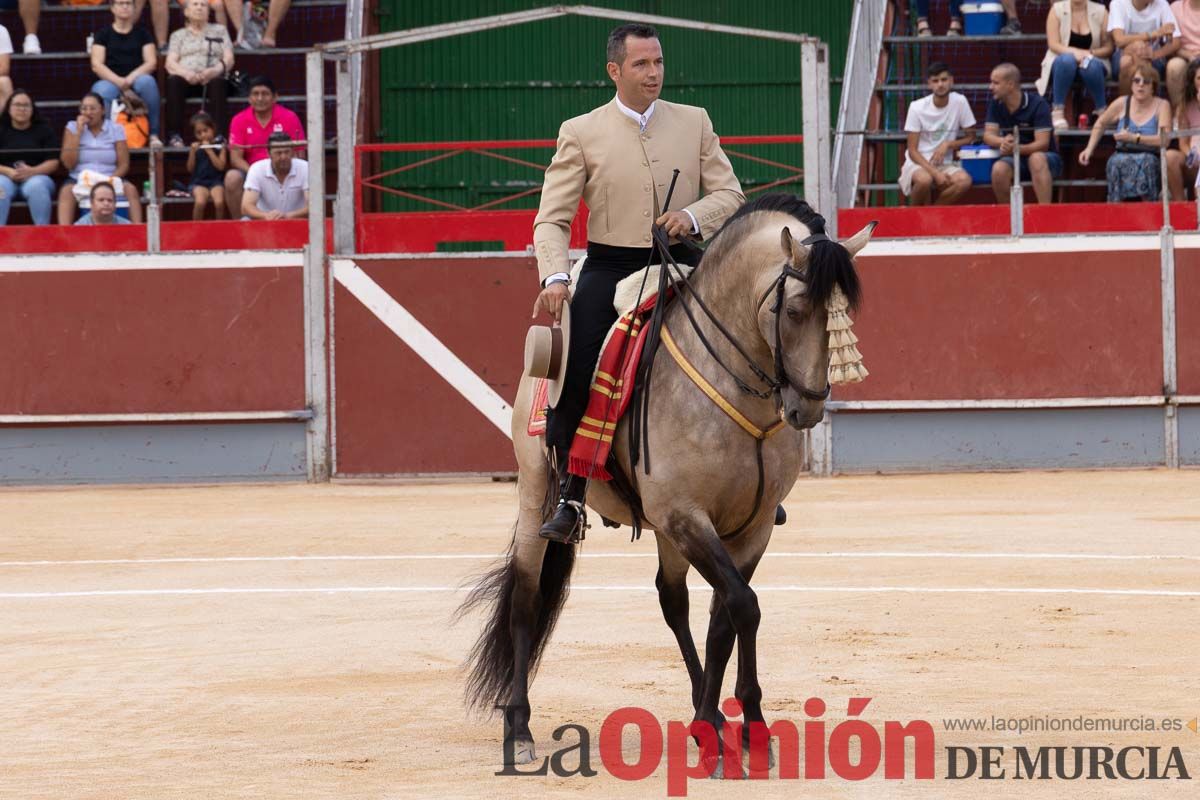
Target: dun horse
[{"x": 768, "y": 288}]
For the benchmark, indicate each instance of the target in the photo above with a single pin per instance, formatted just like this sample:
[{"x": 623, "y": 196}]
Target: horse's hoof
[
  {"x": 523, "y": 752},
  {"x": 746, "y": 759}
]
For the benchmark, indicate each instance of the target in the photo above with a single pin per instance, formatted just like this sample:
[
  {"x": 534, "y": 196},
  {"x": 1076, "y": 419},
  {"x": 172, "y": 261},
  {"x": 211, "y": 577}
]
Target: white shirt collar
[{"x": 641, "y": 119}]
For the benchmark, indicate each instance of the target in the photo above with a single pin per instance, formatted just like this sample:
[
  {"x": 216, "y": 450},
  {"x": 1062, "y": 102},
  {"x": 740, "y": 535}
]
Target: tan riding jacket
[{"x": 623, "y": 176}]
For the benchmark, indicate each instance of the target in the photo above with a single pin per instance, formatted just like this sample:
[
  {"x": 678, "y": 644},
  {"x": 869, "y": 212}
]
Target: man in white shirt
[
  {"x": 937, "y": 125},
  {"x": 1144, "y": 31},
  {"x": 277, "y": 187},
  {"x": 6, "y": 84}
]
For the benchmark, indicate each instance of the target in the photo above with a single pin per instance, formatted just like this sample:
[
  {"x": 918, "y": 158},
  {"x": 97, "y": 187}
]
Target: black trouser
[
  {"x": 592, "y": 314},
  {"x": 178, "y": 90}
]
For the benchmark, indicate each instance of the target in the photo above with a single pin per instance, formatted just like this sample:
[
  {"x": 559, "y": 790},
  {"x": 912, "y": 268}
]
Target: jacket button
[
  {"x": 646, "y": 187},
  {"x": 645, "y": 213}
]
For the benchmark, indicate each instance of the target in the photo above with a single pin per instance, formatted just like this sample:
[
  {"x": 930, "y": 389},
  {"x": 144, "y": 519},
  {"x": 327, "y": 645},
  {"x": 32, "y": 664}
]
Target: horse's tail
[{"x": 491, "y": 660}]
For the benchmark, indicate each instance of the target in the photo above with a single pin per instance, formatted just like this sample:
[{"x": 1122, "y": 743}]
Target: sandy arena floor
[{"x": 295, "y": 641}]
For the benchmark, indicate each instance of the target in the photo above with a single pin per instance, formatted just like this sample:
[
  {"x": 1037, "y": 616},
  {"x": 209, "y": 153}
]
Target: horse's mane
[{"x": 829, "y": 263}]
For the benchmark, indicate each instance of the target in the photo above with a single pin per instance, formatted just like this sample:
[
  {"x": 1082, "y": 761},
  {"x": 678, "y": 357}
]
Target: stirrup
[{"x": 577, "y": 531}]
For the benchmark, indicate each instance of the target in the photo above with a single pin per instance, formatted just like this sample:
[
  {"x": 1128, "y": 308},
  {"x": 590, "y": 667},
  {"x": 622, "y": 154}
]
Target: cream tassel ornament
[{"x": 845, "y": 362}]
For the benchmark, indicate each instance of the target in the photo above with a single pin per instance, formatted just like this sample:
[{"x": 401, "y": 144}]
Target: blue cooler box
[
  {"x": 982, "y": 19},
  {"x": 977, "y": 160}
]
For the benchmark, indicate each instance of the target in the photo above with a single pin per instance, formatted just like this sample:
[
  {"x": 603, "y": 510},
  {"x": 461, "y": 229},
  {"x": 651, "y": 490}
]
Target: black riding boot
[{"x": 568, "y": 522}]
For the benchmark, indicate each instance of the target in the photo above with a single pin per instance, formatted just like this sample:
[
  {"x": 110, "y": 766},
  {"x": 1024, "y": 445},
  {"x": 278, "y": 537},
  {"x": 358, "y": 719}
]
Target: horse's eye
[{"x": 795, "y": 314}]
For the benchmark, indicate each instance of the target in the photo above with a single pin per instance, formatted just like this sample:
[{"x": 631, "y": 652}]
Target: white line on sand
[
  {"x": 430, "y": 589},
  {"x": 484, "y": 557}
]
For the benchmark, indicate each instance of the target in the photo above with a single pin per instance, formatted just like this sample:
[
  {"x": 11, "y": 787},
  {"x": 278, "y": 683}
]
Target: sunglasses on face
[{"x": 1140, "y": 80}]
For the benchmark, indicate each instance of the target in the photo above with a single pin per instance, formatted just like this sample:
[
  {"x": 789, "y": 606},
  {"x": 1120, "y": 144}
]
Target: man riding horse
[{"x": 619, "y": 158}]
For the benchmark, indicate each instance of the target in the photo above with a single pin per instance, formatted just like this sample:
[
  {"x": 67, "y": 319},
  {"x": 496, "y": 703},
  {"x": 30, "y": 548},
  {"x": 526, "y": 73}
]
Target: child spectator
[
  {"x": 1145, "y": 31},
  {"x": 124, "y": 59},
  {"x": 277, "y": 186},
  {"x": 935, "y": 126},
  {"x": 1141, "y": 119},
  {"x": 1009, "y": 107},
  {"x": 103, "y": 198},
  {"x": 6, "y": 85},
  {"x": 207, "y": 160},
  {"x": 1078, "y": 46},
  {"x": 94, "y": 142},
  {"x": 27, "y": 158},
  {"x": 956, "y": 20},
  {"x": 1187, "y": 14},
  {"x": 249, "y": 132},
  {"x": 198, "y": 57}
]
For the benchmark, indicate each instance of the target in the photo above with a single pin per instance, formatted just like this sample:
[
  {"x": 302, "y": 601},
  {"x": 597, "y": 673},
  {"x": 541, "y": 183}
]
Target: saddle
[{"x": 606, "y": 383}]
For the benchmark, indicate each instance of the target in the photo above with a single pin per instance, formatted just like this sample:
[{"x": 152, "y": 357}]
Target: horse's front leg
[
  {"x": 735, "y": 613},
  {"x": 673, "y": 598}
]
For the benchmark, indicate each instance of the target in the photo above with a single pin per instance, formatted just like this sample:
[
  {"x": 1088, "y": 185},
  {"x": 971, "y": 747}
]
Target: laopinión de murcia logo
[{"x": 853, "y": 750}]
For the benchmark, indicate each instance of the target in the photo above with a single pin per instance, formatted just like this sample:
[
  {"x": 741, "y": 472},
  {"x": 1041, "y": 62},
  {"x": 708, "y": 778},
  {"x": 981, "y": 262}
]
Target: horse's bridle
[
  {"x": 781, "y": 380},
  {"x": 776, "y": 383}
]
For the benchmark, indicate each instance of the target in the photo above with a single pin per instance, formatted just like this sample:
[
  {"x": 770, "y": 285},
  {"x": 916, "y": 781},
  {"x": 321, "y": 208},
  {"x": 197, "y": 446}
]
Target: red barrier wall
[
  {"x": 394, "y": 412},
  {"x": 134, "y": 341},
  {"x": 1187, "y": 317},
  {"x": 961, "y": 326},
  {"x": 284, "y": 234}
]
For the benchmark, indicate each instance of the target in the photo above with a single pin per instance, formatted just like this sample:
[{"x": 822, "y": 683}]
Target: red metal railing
[{"x": 420, "y": 231}]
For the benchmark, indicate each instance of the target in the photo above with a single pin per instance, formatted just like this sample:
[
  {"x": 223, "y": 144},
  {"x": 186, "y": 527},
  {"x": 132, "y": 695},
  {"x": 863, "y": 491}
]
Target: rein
[{"x": 656, "y": 331}]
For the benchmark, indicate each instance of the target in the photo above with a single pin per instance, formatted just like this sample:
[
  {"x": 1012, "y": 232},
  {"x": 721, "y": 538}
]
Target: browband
[{"x": 816, "y": 237}]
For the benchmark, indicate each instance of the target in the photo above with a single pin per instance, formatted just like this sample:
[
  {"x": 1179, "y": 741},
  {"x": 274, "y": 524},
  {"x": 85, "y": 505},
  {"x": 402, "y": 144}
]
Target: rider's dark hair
[
  {"x": 937, "y": 68},
  {"x": 616, "y": 39}
]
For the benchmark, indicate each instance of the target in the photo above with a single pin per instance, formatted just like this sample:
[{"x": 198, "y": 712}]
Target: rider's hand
[
  {"x": 677, "y": 224},
  {"x": 551, "y": 299}
]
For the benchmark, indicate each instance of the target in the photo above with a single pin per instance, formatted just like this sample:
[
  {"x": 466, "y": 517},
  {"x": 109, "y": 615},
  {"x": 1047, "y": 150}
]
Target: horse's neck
[{"x": 729, "y": 290}]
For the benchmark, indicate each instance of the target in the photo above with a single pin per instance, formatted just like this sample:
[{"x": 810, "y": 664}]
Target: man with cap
[{"x": 619, "y": 159}]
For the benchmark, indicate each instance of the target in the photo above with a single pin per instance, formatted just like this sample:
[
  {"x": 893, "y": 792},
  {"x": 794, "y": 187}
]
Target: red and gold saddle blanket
[{"x": 609, "y": 398}]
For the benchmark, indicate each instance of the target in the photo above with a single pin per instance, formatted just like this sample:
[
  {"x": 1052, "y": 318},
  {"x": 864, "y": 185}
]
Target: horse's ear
[
  {"x": 859, "y": 240},
  {"x": 792, "y": 250}
]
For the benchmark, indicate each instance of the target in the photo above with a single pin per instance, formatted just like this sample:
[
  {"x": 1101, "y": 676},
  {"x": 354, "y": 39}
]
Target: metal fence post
[
  {"x": 316, "y": 357},
  {"x": 343, "y": 207},
  {"x": 818, "y": 168},
  {"x": 1016, "y": 196}
]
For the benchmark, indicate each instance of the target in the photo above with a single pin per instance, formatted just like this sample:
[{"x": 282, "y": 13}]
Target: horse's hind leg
[
  {"x": 673, "y": 597},
  {"x": 529, "y": 551}
]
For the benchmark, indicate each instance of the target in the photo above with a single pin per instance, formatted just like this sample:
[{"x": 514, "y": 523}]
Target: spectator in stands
[
  {"x": 6, "y": 85},
  {"x": 1187, "y": 15},
  {"x": 261, "y": 25},
  {"x": 1011, "y": 107},
  {"x": 198, "y": 57},
  {"x": 160, "y": 14},
  {"x": 28, "y": 158},
  {"x": 1144, "y": 31},
  {"x": 207, "y": 161},
  {"x": 956, "y": 21},
  {"x": 277, "y": 186},
  {"x": 1012, "y": 25},
  {"x": 125, "y": 60},
  {"x": 95, "y": 143},
  {"x": 1078, "y": 46},
  {"x": 103, "y": 198},
  {"x": 250, "y": 131},
  {"x": 935, "y": 125},
  {"x": 1141, "y": 119},
  {"x": 30, "y": 12},
  {"x": 1188, "y": 118}
]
